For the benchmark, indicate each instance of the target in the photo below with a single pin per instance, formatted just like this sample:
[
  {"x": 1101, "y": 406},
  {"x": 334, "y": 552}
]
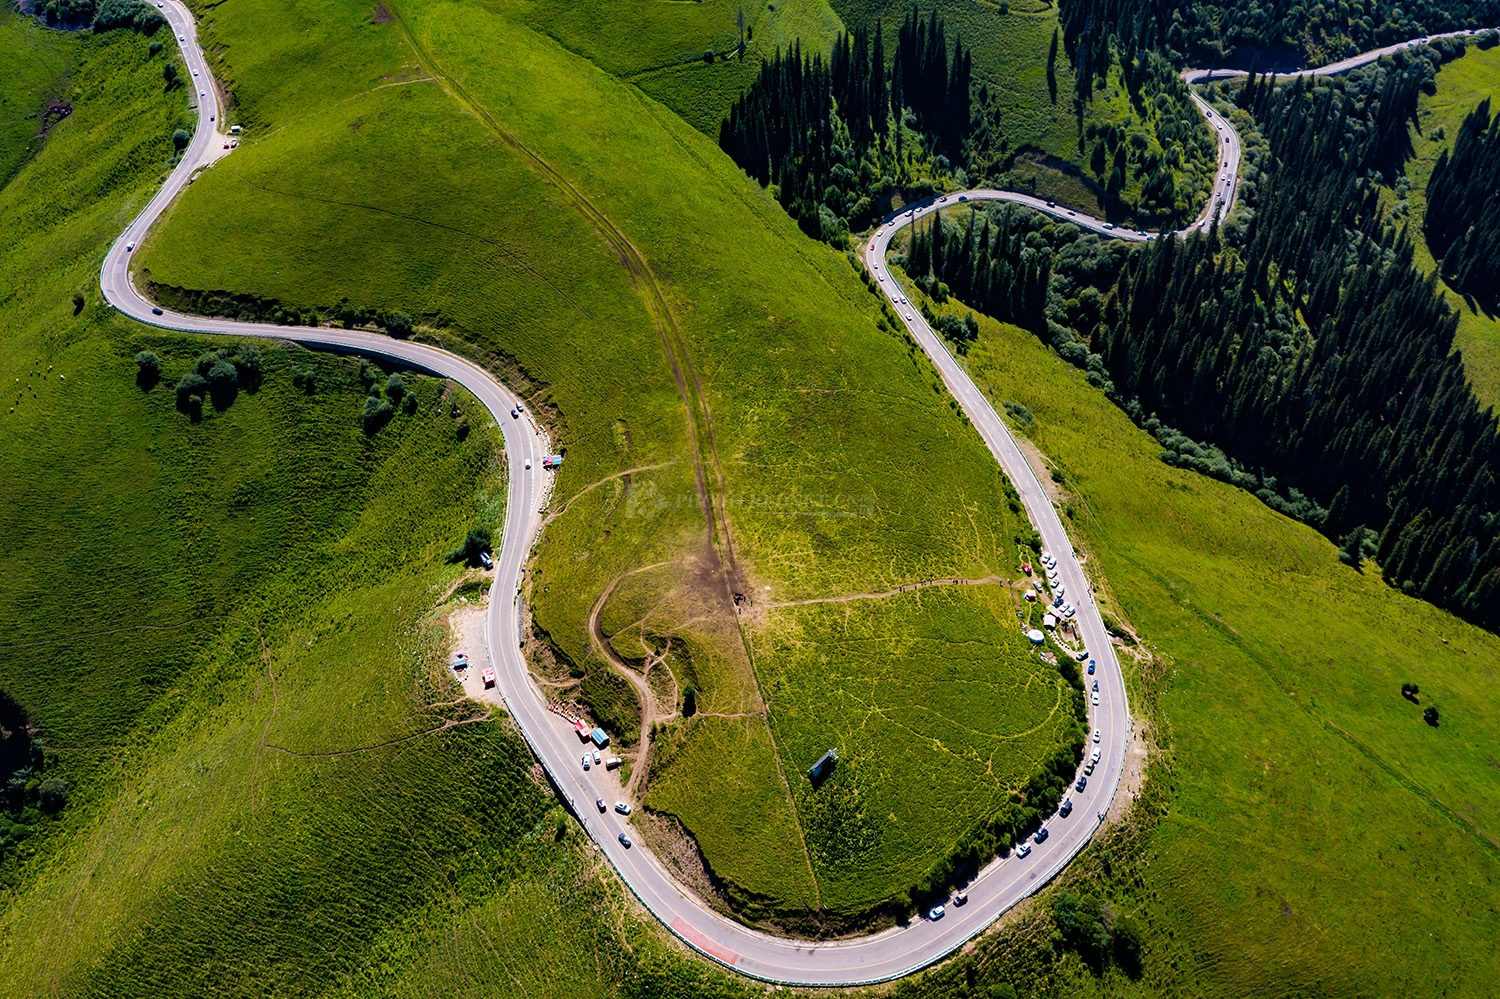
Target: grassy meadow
[
  {"x": 734, "y": 349},
  {"x": 1307, "y": 831},
  {"x": 37, "y": 62},
  {"x": 1461, "y": 86},
  {"x": 228, "y": 633}
]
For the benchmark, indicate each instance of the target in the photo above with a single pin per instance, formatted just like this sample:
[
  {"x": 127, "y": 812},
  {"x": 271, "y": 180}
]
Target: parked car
[
  {"x": 1096, "y": 735},
  {"x": 1091, "y": 668},
  {"x": 622, "y": 808},
  {"x": 1041, "y": 835},
  {"x": 1024, "y": 849},
  {"x": 936, "y": 912},
  {"x": 1066, "y": 809},
  {"x": 1083, "y": 782},
  {"x": 961, "y": 898},
  {"x": 1096, "y": 697},
  {"x": 597, "y": 758},
  {"x": 1081, "y": 656},
  {"x": 586, "y": 761}
]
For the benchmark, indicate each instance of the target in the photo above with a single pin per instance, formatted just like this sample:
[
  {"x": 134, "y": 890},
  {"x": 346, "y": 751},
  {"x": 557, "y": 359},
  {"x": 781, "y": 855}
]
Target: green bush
[
  {"x": 1128, "y": 945},
  {"x": 52, "y": 795},
  {"x": 148, "y": 370},
  {"x": 192, "y": 385},
  {"x": 376, "y": 415},
  {"x": 477, "y": 540},
  {"x": 1430, "y": 716},
  {"x": 395, "y": 388},
  {"x": 398, "y": 324},
  {"x": 247, "y": 365},
  {"x": 689, "y": 701}
]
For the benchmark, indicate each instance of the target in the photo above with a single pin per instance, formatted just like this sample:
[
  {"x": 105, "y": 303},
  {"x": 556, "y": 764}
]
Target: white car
[
  {"x": 936, "y": 912},
  {"x": 585, "y": 761},
  {"x": 1096, "y": 698},
  {"x": 1023, "y": 850},
  {"x": 1096, "y": 735},
  {"x": 622, "y": 808},
  {"x": 528, "y": 462},
  {"x": 596, "y": 757}
]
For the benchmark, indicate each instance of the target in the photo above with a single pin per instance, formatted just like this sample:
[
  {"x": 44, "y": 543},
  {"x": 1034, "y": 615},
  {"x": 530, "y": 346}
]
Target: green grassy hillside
[
  {"x": 1303, "y": 829},
  {"x": 731, "y": 379},
  {"x": 228, "y": 633},
  {"x": 36, "y": 63},
  {"x": 1461, "y": 85}
]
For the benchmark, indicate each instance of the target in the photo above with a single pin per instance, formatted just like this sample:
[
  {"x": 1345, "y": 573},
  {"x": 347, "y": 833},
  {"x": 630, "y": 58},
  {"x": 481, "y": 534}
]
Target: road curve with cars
[{"x": 863, "y": 960}]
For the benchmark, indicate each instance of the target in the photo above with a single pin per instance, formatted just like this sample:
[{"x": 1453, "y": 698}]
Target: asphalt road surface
[{"x": 884, "y": 956}]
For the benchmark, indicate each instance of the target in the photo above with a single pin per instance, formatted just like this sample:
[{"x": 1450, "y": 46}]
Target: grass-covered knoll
[
  {"x": 735, "y": 366},
  {"x": 226, "y": 632},
  {"x": 934, "y": 731},
  {"x": 36, "y": 63},
  {"x": 1461, "y": 86},
  {"x": 1310, "y": 826}
]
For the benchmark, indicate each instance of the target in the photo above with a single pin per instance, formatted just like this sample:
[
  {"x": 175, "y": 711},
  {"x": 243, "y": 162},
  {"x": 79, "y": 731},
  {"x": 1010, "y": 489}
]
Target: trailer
[{"x": 552, "y": 461}]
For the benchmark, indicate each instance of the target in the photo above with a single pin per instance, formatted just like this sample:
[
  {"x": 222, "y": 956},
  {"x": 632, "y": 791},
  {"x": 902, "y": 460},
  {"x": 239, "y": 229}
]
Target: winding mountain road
[{"x": 863, "y": 960}]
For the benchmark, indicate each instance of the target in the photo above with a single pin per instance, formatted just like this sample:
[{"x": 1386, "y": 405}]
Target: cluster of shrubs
[
  {"x": 1181, "y": 451},
  {"x": 217, "y": 376},
  {"x": 1091, "y": 928},
  {"x": 378, "y": 411},
  {"x": 255, "y": 309},
  {"x": 29, "y": 794},
  {"x": 104, "y": 16}
]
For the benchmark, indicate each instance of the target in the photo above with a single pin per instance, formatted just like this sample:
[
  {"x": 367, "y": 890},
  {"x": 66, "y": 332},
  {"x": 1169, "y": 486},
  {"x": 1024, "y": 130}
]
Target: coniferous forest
[
  {"x": 1259, "y": 34},
  {"x": 828, "y": 135},
  {"x": 990, "y": 269},
  {"x": 1313, "y": 349},
  {"x": 1462, "y": 224}
]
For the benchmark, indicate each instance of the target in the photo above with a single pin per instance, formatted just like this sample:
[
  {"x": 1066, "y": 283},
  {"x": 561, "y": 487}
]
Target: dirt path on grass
[{"x": 882, "y": 594}]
